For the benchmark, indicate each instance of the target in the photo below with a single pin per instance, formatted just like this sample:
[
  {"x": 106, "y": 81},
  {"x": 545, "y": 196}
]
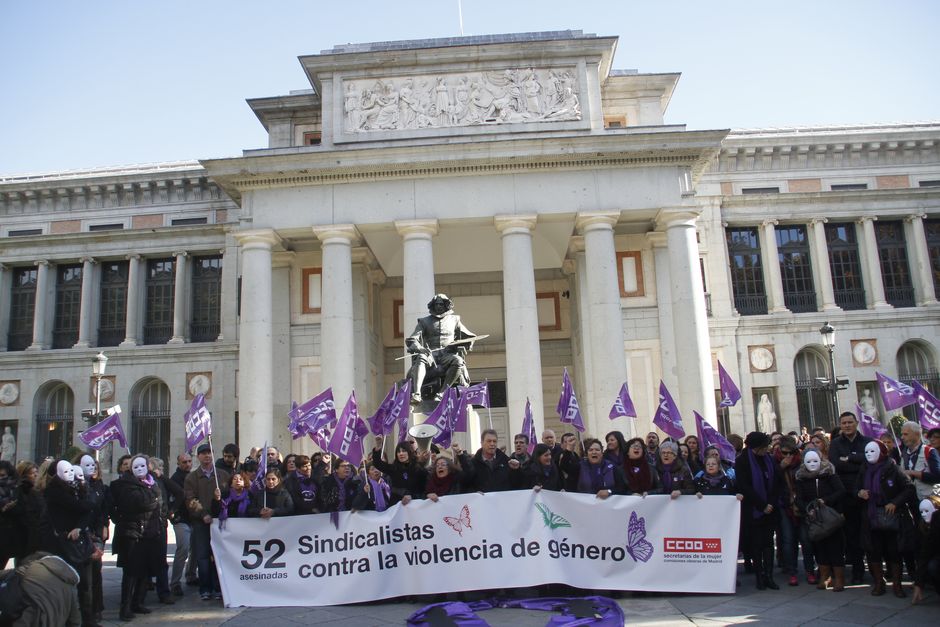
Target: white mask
[
  {"x": 872, "y": 453},
  {"x": 65, "y": 472},
  {"x": 926, "y": 510},
  {"x": 139, "y": 467},
  {"x": 88, "y": 466},
  {"x": 79, "y": 473},
  {"x": 811, "y": 461}
]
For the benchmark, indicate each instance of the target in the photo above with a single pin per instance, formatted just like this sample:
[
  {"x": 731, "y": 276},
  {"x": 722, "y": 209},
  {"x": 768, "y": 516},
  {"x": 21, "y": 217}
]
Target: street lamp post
[
  {"x": 98, "y": 364},
  {"x": 829, "y": 341}
]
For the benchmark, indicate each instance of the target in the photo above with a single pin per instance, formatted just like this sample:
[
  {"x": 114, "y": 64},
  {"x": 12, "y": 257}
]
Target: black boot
[
  {"x": 769, "y": 569},
  {"x": 758, "y": 570},
  {"x": 140, "y": 591},
  {"x": 127, "y": 596}
]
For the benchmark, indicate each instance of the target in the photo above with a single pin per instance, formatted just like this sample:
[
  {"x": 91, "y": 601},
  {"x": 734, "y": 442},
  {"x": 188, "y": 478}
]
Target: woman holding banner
[
  {"x": 234, "y": 501},
  {"x": 302, "y": 486},
  {"x": 674, "y": 475},
  {"x": 447, "y": 476},
  {"x": 274, "y": 500},
  {"x": 641, "y": 476},
  {"x": 405, "y": 475},
  {"x": 338, "y": 489},
  {"x": 541, "y": 473},
  {"x": 597, "y": 475}
]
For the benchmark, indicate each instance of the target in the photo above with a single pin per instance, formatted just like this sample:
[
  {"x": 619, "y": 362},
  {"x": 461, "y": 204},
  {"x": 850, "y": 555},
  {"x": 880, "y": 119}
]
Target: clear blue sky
[{"x": 101, "y": 82}]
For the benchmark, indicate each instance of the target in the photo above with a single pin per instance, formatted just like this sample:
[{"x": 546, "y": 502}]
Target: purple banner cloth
[
  {"x": 257, "y": 485},
  {"x": 444, "y": 417},
  {"x": 928, "y": 407},
  {"x": 313, "y": 415},
  {"x": 346, "y": 442},
  {"x": 377, "y": 421},
  {"x": 476, "y": 394},
  {"x": 894, "y": 394},
  {"x": 709, "y": 436},
  {"x": 870, "y": 427},
  {"x": 105, "y": 431},
  {"x": 667, "y": 415},
  {"x": 198, "y": 422},
  {"x": 568, "y": 409},
  {"x": 528, "y": 425},
  {"x": 399, "y": 412},
  {"x": 623, "y": 406},
  {"x": 730, "y": 394}
]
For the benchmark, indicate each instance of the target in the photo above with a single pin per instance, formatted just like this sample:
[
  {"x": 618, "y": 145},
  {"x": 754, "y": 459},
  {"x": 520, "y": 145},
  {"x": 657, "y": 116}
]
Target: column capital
[
  {"x": 914, "y": 217},
  {"x": 417, "y": 228},
  {"x": 376, "y": 276},
  {"x": 136, "y": 256},
  {"x": 181, "y": 253},
  {"x": 363, "y": 255},
  {"x": 818, "y": 220},
  {"x": 282, "y": 259},
  {"x": 593, "y": 220},
  {"x": 575, "y": 244},
  {"x": 862, "y": 220},
  {"x": 677, "y": 216},
  {"x": 337, "y": 233},
  {"x": 507, "y": 224},
  {"x": 656, "y": 239},
  {"x": 259, "y": 238},
  {"x": 87, "y": 259},
  {"x": 770, "y": 222},
  {"x": 41, "y": 262},
  {"x": 569, "y": 267}
]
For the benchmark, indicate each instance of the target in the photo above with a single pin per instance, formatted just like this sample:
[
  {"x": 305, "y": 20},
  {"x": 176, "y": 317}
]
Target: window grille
[
  {"x": 68, "y": 306},
  {"x": 22, "y": 307},
  {"x": 112, "y": 321},
  {"x": 813, "y": 401},
  {"x": 158, "y": 324},
  {"x": 799, "y": 295},
  {"x": 206, "y": 299},
  {"x": 932, "y": 230},
  {"x": 150, "y": 420},
  {"x": 844, "y": 265},
  {"x": 54, "y": 422},
  {"x": 747, "y": 276},
  {"x": 895, "y": 272}
]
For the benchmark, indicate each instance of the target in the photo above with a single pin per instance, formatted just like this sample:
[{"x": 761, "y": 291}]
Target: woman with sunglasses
[{"x": 791, "y": 530}]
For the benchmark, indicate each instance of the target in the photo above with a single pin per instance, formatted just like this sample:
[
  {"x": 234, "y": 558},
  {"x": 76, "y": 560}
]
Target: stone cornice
[{"x": 927, "y": 198}]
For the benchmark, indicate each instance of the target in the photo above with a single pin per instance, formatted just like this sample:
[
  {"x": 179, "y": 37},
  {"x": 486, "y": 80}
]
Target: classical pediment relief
[{"x": 461, "y": 99}]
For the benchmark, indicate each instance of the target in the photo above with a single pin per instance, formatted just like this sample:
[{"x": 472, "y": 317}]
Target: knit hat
[{"x": 756, "y": 439}]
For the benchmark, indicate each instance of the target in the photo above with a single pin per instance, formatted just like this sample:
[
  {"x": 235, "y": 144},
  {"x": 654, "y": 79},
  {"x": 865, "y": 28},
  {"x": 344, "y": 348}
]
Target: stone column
[
  {"x": 132, "y": 316},
  {"x": 179, "y": 300},
  {"x": 664, "y": 306},
  {"x": 418, "y": 271},
  {"x": 6, "y": 281},
  {"x": 87, "y": 307},
  {"x": 608, "y": 362},
  {"x": 823, "y": 274},
  {"x": 690, "y": 319},
  {"x": 521, "y": 320},
  {"x": 584, "y": 384},
  {"x": 256, "y": 346},
  {"x": 337, "y": 366},
  {"x": 770, "y": 259},
  {"x": 41, "y": 306},
  {"x": 924, "y": 291},
  {"x": 871, "y": 265}
]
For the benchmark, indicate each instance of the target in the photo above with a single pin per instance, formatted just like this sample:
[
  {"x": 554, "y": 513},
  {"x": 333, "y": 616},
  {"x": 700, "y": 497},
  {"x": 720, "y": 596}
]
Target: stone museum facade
[{"x": 524, "y": 177}]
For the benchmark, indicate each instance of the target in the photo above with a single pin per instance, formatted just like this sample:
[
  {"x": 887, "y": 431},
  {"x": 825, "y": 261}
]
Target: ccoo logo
[{"x": 692, "y": 545}]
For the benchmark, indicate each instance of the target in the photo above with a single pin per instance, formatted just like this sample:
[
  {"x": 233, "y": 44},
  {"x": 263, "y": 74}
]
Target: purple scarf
[
  {"x": 666, "y": 477},
  {"x": 233, "y": 497},
  {"x": 341, "y": 484},
  {"x": 872, "y": 483},
  {"x": 761, "y": 480},
  {"x": 594, "y": 478},
  {"x": 148, "y": 481},
  {"x": 714, "y": 481},
  {"x": 382, "y": 493}
]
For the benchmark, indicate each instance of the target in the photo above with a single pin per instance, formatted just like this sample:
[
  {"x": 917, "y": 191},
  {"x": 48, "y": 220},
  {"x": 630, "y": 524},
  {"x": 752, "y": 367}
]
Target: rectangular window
[
  {"x": 310, "y": 290},
  {"x": 799, "y": 295},
  {"x": 158, "y": 323},
  {"x": 630, "y": 273},
  {"x": 848, "y": 187},
  {"x": 68, "y": 306},
  {"x": 932, "y": 183},
  {"x": 895, "y": 271},
  {"x": 206, "y": 298},
  {"x": 312, "y": 138},
  {"x": 106, "y": 227},
  {"x": 760, "y": 190},
  {"x": 22, "y": 304},
  {"x": 747, "y": 274},
  {"x": 112, "y": 323},
  {"x": 188, "y": 221},
  {"x": 24, "y": 232},
  {"x": 932, "y": 230},
  {"x": 845, "y": 266}
]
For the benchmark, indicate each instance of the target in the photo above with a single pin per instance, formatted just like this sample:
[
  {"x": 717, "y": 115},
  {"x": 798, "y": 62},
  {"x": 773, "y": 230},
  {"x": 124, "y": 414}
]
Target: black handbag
[
  {"x": 884, "y": 521},
  {"x": 822, "y": 521},
  {"x": 76, "y": 552}
]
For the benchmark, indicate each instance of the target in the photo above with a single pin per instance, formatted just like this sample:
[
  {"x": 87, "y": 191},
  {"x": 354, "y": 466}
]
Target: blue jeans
[
  {"x": 202, "y": 550},
  {"x": 182, "y": 560},
  {"x": 791, "y": 535}
]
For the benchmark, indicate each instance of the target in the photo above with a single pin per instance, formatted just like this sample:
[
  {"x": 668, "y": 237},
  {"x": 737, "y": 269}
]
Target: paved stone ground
[{"x": 800, "y": 605}]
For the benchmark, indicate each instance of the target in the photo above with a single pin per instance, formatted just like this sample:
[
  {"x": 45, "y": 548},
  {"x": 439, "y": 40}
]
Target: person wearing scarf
[
  {"x": 274, "y": 500},
  {"x": 713, "y": 481},
  {"x": 817, "y": 481},
  {"x": 338, "y": 490},
  {"x": 695, "y": 462},
  {"x": 447, "y": 476},
  {"x": 374, "y": 493},
  {"x": 883, "y": 486},
  {"x": 405, "y": 474},
  {"x": 789, "y": 458},
  {"x": 234, "y": 502},
  {"x": 674, "y": 475},
  {"x": 138, "y": 534},
  {"x": 760, "y": 482},
  {"x": 641, "y": 477},
  {"x": 597, "y": 475},
  {"x": 616, "y": 448},
  {"x": 302, "y": 486},
  {"x": 542, "y": 473}
]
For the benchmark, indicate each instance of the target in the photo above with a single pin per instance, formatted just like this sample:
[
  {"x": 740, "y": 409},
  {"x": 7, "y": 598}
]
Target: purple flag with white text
[
  {"x": 709, "y": 436},
  {"x": 257, "y": 485},
  {"x": 623, "y": 406},
  {"x": 346, "y": 442},
  {"x": 928, "y": 407},
  {"x": 730, "y": 394},
  {"x": 869, "y": 426},
  {"x": 313, "y": 415},
  {"x": 894, "y": 394},
  {"x": 568, "y": 409},
  {"x": 444, "y": 417},
  {"x": 476, "y": 394},
  {"x": 528, "y": 425},
  {"x": 198, "y": 422},
  {"x": 399, "y": 411},
  {"x": 667, "y": 415},
  {"x": 96, "y": 436},
  {"x": 377, "y": 421}
]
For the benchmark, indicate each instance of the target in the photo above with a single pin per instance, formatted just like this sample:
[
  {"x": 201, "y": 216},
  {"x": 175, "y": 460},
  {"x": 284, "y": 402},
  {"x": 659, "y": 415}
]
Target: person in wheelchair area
[{"x": 435, "y": 364}]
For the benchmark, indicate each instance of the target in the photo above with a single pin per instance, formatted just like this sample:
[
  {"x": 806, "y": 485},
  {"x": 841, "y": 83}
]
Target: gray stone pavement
[{"x": 800, "y": 605}]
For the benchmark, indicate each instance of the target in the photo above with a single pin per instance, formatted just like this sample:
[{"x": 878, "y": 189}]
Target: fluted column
[
  {"x": 6, "y": 280},
  {"x": 823, "y": 274},
  {"x": 924, "y": 291},
  {"x": 418, "y": 271},
  {"x": 521, "y": 320},
  {"x": 871, "y": 268},
  {"x": 256, "y": 344},
  {"x": 690, "y": 319},
  {"x": 132, "y": 313},
  {"x": 179, "y": 300},
  {"x": 609, "y": 366},
  {"x": 770, "y": 259},
  {"x": 337, "y": 366},
  {"x": 85, "y": 312},
  {"x": 41, "y": 305}
]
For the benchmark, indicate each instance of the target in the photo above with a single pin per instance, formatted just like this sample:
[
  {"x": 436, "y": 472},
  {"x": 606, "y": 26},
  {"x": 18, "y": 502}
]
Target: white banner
[{"x": 476, "y": 541}]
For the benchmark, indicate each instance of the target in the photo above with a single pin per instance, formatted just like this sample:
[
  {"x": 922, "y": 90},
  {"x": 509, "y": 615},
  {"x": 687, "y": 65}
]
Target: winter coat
[
  {"x": 303, "y": 492},
  {"x": 854, "y": 452},
  {"x": 752, "y": 508},
  {"x": 67, "y": 508},
  {"x": 929, "y": 548},
  {"x": 725, "y": 485},
  {"x": 609, "y": 477},
  {"x": 277, "y": 499},
  {"x": 404, "y": 479},
  {"x": 328, "y": 498},
  {"x": 681, "y": 478},
  {"x": 495, "y": 476},
  {"x": 49, "y": 587},
  {"x": 548, "y": 477},
  {"x": 137, "y": 510},
  {"x": 896, "y": 488},
  {"x": 825, "y": 485}
]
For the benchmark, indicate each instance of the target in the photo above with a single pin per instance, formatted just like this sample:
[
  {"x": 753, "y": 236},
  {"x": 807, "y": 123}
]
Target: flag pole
[{"x": 214, "y": 473}]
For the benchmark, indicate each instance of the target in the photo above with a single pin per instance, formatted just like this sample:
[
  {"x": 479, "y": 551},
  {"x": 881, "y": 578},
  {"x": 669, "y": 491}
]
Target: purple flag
[
  {"x": 444, "y": 417},
  {"x": 377, "y": 421},
  {"x": 346, "y": 442},
  {"x": 667, "y": 415},
  {"x": 528, "y": 425},
  {"x": 399, "y": 411},
  {"x": 568, "y": 408},
  {"x": 928, "y": 407},
  {"x": 257, "y": 485},
  {"x": 730, "y": 394},
  {"x": 476, "y": 394},
  {"x": 313, "y": 415},
  {"x": 105, "y": 431},
  {"x": 198, "y": 422},
  {"x": 623, "y": 406},
  {"x": 709, "y": 436},
  {"x": 894, "y": 394},
  {"x": 869, "y": 426}
]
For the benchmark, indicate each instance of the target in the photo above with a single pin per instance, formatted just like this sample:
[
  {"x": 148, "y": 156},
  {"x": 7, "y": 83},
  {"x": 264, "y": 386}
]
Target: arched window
[
  {"x": 54, "y": 418},
  {"x": 916, "y": 362},
  {"x": 814, "y": 401},
  {"x": 150, "y": 419}
]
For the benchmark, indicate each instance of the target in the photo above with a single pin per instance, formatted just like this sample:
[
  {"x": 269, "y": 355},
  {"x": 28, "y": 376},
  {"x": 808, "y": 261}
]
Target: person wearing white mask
[
  {"x": 817, "y": 482},
  {"x": 928, "y": 557},
  {"x": 885, "y": 491},
  {"x": 137, "y": 536},
  {"x": 97, "y": 492}
]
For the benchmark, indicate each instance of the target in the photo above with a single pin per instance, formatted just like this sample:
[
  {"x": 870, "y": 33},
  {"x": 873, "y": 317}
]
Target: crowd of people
[{"x": 840, "y": 499}]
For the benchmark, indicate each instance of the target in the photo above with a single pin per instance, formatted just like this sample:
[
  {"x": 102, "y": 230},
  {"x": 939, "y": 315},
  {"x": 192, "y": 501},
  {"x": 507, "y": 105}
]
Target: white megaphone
[{"x": 423, "y": 434}]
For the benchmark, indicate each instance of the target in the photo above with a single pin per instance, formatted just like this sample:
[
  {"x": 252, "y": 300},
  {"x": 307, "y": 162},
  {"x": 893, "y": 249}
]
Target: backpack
[{"x": 12, "y": 599}]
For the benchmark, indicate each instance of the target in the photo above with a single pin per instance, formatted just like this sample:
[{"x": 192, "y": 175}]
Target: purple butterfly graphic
[{"x": 637, "y": 545}]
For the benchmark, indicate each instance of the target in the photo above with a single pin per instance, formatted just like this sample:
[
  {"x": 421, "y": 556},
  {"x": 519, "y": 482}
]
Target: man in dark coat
[
  {"x": 490, "y": 469},
  {"x": 847, "y": 454}
]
